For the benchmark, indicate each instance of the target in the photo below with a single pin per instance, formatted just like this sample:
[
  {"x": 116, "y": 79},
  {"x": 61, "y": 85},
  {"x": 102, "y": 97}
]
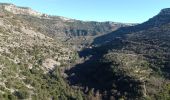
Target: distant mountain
[{"x": 161, "y": 19}]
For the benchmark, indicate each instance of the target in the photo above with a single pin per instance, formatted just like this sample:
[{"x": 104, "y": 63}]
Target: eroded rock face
[{"x": 21, "y": 10}]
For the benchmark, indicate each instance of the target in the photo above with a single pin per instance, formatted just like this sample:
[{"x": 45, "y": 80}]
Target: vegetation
[{"x": 129, "y": 63}]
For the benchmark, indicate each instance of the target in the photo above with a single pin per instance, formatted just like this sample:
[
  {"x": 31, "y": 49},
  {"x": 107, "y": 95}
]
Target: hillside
[
  {"x": 44, "y": 57},
  {"x": 36, "y": 49},
  {"x": 31, "y": 63},
  {"x": 129, "y": 63},
  {"x": 161, "y": 19},
  {"x": 75, "y": 32}
]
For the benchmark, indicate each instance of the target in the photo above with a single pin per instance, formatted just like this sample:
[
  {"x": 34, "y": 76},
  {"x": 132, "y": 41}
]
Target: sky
[{"x": 126, "y": 11}]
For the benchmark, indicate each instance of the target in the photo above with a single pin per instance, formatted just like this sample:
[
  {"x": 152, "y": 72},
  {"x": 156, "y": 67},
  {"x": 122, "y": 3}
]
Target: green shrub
[{"x": 22, "y": 94}]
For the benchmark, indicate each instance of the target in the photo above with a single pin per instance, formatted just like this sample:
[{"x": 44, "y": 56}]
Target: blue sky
[{"x": 127, "y": 11}]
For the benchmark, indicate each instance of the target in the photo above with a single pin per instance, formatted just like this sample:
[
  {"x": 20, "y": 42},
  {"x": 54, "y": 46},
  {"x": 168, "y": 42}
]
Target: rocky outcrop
[
  {"x": 21, "y": 10},
  {"x": 50, "y": 64}
]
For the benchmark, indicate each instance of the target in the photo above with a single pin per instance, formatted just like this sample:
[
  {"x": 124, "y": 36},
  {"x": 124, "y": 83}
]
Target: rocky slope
[
  {"x": 21, "y": 10},
  {"x": 118, "y": 61},
  {"x": 161, "y": 19},
  {"x": 75, "y": 32},
  {"x": 33, "y": 57},
  {"x": 31, "y": 63}
]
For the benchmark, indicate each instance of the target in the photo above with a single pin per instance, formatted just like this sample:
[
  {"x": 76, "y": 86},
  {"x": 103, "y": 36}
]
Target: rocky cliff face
[{"x": 21, "y": 10}]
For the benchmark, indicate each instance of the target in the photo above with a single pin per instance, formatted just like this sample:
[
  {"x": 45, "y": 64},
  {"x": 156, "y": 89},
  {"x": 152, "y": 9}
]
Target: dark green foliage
[
  {"x": 21, "y": 94},
  {"x": 165, "y": 93}
]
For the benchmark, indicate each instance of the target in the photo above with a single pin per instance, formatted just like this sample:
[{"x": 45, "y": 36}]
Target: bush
[{"x": 21, "y": 94}]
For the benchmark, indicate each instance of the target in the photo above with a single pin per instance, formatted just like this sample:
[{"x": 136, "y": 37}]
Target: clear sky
[{"x": 128, "y": 11}]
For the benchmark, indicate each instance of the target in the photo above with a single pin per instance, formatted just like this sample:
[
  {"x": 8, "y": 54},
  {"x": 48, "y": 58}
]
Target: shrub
[{"x": 21, "y": 94}]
